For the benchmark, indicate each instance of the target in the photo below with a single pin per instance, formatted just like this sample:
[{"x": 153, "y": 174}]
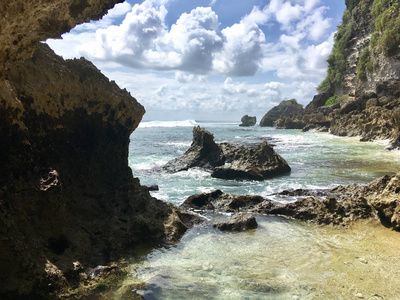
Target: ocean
[{"x": 282, "y": 258}]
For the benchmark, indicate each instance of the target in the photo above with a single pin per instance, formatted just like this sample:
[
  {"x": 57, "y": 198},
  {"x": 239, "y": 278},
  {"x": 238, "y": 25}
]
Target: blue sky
[{"x": 210, "y": 59}]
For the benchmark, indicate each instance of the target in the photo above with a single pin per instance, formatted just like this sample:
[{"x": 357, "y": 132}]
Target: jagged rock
[
  {"x": 153, "y": 187},
  {"x": 24, "y": 24},
  {"x": 66, "y": 190},
  {"x": 203, "y": 153},
  {"x": 238, "y": 222},
  {"x": 285, "y": 108},
  {"x": 219, "y": 201},
  {"x": 254, "y": 163},
  {"x": 315, "y": 127},
  {"x": 248, "y": 121},
  {"x": 339, "y": 206},
  {"x": 229, "y": 161},
  {"x": 318, "y": 101}
]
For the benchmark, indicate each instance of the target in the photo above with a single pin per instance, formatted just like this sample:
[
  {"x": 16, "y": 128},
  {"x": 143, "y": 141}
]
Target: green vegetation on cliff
[
  {"x": 337, "y": 60},
  {"x": 385, "y": 39},
  {"x": 386, "y": 36},
  {"x": 335, "y": 99}
]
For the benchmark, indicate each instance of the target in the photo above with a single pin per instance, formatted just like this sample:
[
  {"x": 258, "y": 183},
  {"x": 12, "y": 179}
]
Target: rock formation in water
[
  {"x": 229, "y": 161},
  {"x": 238, "y": 222},
  {"x": 248, "y": 121},
  {"x": 67, "y": 195},
  {"x": 338, "y": 206},
  {"x": 285, "y": 108},
  {"x": 361, "y": 93}
]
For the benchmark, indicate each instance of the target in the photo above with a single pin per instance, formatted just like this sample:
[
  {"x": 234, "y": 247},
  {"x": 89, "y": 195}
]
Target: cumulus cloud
[
  {"x": 196, "y": 39},
  {"x": 196, "y": 45},
  {"x": 242, "y": 51},
  {"x": 162, "y": 90}
]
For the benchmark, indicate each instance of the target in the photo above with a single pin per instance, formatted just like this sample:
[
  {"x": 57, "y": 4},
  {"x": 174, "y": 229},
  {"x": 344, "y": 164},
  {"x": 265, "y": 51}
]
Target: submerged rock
[
  {"x": 229, "y": 161},
  {"x": 238, "y": 222},
  {"x": 248, "y": 121}
]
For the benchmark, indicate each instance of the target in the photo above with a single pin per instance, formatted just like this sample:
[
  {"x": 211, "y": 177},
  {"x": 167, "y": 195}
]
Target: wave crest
[{"x": 185, "y": 123}]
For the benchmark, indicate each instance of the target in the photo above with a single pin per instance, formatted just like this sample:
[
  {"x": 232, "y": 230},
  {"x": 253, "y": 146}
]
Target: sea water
[{"x": 282, "y": 258}]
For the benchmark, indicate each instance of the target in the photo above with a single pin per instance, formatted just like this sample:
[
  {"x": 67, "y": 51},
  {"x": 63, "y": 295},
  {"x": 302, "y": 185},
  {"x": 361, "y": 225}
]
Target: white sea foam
[{"x": 185, "y": 123}]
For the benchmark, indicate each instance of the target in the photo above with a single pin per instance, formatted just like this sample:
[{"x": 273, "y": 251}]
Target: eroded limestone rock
[{"x": 229, "y": 161}]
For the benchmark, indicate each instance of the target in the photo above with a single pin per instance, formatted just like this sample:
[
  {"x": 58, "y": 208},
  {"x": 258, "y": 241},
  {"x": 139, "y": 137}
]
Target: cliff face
[
  {"x": 360, "y": 95},
  {"x": 67, "y": 194}
]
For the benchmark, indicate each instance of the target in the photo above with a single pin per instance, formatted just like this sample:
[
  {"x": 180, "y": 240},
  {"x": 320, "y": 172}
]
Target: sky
[{"x": 210, "y": 59}]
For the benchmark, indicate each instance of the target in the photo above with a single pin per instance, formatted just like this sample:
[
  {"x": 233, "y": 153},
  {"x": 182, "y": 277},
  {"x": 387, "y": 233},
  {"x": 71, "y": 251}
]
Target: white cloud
[
  {"x": 196, "y": 46},
  {"x": 162, "y": 90},
  {"x": 196, "y": 39},
  {"x": 242, "y": 51}
]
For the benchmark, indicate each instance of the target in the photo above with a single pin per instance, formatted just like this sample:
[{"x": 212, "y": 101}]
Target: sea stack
[
  {"x": 248, "y": 121},
  {"x": 285, "y": 108},
  {"x": 229, "y": 161}
]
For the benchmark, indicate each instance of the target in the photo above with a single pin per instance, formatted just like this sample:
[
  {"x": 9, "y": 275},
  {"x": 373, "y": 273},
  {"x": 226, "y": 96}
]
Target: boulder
[
  {"x": 238, "y": 222},
  {"x": 285, "y": 108},
  {"x": 254, "y": 163},
  {"x": 248, "y": 121},
  {"x": 229, "y": 161},
  {"x": 219, "y": 201}
]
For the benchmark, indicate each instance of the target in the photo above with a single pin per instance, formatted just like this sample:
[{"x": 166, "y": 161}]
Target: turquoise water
[
  {"x": 282, "y": 258},
  {"x": 318, "y": 160}
]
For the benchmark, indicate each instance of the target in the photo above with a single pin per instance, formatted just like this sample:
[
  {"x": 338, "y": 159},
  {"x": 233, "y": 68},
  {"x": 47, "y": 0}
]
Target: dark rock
[
  {"x": 248, "y": 121},
  {"x": 229, "y": 161},
  {"x": 254, "y": 163},
  {"x": 203, "y": 201},
  {"x": 153, "y": 187},
  {"x": 203, "y": 153},
  {"x": 285, "y": 108},
  {"x": 219, "y": 201},
  {"x": 67, "y": 189},
  {"x": 319, "y": 100},
  {"x": 238, "y": 222}
]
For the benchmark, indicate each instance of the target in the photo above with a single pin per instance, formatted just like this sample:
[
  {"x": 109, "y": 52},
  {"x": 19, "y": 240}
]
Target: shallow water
[{"x": 281, "y": 259}]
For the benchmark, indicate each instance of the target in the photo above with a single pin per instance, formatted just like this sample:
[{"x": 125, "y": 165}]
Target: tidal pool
[{"x": 282, "y": 259}]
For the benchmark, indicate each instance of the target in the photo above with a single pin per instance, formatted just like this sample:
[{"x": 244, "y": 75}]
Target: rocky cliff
[
  {"x": 67, "y": 195},
  {"x": 360, "y": 95}
]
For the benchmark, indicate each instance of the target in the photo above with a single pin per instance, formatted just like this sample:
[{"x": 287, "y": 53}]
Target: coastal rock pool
[{"x": 282, "y": 258}]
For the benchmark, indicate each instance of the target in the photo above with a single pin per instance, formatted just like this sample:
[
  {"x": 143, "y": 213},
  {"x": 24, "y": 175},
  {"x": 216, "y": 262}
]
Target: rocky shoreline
[
  {"x": 339, "y": 206},
  {"x": 68, "y": 200}
]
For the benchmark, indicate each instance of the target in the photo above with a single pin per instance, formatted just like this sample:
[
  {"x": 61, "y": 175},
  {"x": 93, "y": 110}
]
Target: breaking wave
[{"x": 185, "y": 123}]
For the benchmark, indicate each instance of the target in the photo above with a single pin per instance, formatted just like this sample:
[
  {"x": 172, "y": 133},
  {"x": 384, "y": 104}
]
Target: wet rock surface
[
  {"x": 238, "y": 222},
  {"x": 248, "y": 121},
  {"x": 338, "y": 206},
  {"x": 227, "y": 161}
]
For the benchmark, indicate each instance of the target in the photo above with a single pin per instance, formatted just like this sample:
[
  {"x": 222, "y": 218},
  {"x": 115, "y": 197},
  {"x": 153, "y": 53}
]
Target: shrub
[
  {"x": 335, "y": 99},
  {"x": 363, "y": 61}
]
